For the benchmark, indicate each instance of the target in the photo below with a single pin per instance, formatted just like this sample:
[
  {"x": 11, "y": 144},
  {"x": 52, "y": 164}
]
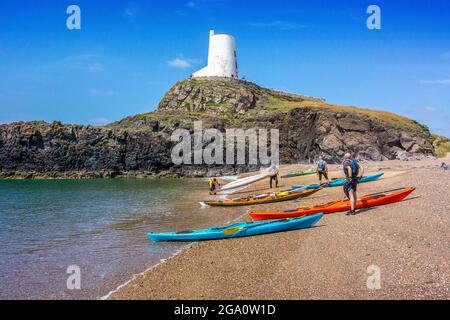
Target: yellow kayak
[{"x": 263, "y": 198}]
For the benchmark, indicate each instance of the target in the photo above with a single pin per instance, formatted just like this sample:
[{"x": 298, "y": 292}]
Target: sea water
[{"x": 98, "y": 226}]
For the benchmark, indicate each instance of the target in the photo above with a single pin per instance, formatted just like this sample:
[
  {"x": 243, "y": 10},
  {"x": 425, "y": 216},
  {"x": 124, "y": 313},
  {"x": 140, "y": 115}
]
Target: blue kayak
[
  {"x": 240, "y": 229},
  {"x": 340, "y": 182}
]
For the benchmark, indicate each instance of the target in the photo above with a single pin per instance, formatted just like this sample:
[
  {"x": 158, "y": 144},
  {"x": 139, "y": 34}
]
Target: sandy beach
[{"x": 408, "y": 241}]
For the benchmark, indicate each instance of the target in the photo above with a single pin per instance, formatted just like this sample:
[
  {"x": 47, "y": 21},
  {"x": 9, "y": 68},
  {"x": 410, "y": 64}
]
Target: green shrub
[{"x": 441, "y": 146}]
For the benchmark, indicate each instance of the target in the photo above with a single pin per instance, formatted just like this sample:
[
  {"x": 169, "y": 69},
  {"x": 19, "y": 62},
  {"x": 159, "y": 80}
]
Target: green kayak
[{"x": 299, "y": 173}]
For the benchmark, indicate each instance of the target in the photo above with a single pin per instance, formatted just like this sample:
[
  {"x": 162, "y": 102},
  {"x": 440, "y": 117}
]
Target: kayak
[
  {"x": 299, "y": 173},
  {"x": 340, "y": 182},
  {"x": 240, "y": 229},
  {"x": 264, "y": 198},
  {"x": 338, "y": 206},
  {"x": 248, "y": 180}
]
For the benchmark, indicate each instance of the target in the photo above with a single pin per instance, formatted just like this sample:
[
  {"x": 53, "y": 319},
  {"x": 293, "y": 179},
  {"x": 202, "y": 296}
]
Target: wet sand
[{"x": 409, "y": 242}]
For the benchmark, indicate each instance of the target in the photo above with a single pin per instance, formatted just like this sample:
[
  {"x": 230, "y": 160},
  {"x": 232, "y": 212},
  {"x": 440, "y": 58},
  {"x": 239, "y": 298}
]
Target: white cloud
[
  {"x": 430, "y": 109},
  {"x": 281, "y": 25},
  {"x": 179, "y": 63},
  {"x": 439, "y": 81},
  {"x": 182, "y": 63},
  {"x": 188, "y": 8}
]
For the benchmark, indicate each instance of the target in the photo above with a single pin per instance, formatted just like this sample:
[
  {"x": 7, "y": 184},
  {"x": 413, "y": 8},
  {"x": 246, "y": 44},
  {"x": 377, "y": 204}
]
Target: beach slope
[{"x": 407, "y": 242}]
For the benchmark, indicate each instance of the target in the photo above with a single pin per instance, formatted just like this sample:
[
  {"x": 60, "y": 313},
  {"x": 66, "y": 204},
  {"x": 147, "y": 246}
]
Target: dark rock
[
  {"x": 140, "y": 146},
  {"x": 353, "y": 123}
]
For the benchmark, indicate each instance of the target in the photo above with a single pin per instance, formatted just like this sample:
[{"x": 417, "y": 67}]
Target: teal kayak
[
  {"x": 340, "y": 182},
  {"x": 240, "y": 229}
]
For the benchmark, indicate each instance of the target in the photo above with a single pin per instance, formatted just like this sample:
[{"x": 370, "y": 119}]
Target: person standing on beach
[
  {"x": 213, "y": 185},
  {"x": 274, "y": 178},
  {"x": 322, "y": 170},
  {"x": 351, "y": 170}
]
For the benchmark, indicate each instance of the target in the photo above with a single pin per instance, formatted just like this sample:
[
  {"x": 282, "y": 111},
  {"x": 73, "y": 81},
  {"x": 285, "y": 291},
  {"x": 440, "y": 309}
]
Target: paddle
[{"x": 234, "y": 230}]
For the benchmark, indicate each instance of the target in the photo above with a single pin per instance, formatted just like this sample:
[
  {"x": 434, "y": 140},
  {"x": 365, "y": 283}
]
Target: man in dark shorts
[
  {"x": 274, "y": 178},
  {"x": 351, "y": 168},
  {"x": 322, "y": 170}
]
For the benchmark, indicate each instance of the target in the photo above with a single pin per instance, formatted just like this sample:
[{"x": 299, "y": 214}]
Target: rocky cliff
[{"x": 140, "y": 145}]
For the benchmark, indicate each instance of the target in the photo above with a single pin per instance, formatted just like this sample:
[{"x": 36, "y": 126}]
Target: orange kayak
[{"x": 337, "y": 206}]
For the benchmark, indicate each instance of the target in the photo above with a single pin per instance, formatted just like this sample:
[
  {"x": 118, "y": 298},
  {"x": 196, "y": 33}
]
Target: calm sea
[{"x": 98, "y": 225}]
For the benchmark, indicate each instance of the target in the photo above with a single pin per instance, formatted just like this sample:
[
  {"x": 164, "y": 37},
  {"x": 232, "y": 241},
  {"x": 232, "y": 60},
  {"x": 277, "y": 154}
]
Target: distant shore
[
  {"x": 19, "y": 175},
  {"x": 104, "y": 174},
  {"x": 408, "y": 241},
  {"x": 194, "y": 172}
]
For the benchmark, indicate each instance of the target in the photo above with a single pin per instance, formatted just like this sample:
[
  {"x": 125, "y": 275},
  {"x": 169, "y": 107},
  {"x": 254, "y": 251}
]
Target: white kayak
[{"x": 249, "y": 180}]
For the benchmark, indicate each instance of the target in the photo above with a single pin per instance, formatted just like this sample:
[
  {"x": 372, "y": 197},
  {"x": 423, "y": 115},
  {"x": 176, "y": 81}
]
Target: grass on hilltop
[{"x": 279, "y": 104}]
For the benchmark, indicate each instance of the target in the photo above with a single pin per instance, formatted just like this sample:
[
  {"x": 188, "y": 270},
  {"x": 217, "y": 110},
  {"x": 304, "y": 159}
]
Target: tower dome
[{"x": 222, "y": 58}]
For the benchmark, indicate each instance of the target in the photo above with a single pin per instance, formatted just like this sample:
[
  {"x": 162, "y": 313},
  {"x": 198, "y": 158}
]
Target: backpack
[
  {"x": 357, "y": 170},
  {"x": 321, "y": 165},
  {"x": 360, "y": 171}
]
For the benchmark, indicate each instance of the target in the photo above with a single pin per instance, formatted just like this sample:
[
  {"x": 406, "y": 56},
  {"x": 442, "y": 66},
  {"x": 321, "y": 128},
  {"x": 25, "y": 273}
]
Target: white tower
[{"x": 222, "y": 59}]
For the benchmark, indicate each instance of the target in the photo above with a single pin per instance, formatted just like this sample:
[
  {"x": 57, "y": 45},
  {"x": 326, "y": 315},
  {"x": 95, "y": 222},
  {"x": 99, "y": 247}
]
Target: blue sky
[{"x": 129, "y": 53}]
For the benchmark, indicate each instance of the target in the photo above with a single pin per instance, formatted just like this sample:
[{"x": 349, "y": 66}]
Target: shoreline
[
  {"x": 83, "y": 175},
  {"x": 176, "y": 253},
  {"x": 134, "y": 276},
  {"x": 143, "y": 286},
  {"x": 161, "y": 262},
  {"x": 86, "y": 175}
]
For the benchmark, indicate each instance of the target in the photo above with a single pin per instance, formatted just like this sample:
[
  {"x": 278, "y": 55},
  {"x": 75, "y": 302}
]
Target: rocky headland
[{"x": 140, "y": 145}]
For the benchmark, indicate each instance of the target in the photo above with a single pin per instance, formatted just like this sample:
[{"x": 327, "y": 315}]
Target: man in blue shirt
[{"x": 322, "y": 170}]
